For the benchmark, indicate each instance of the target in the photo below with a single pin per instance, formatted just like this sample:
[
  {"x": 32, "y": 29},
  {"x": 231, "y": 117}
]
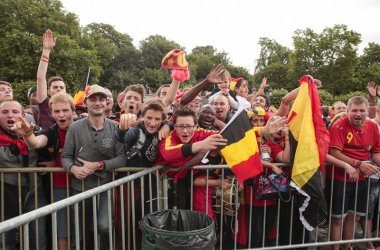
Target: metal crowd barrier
[
  {"x": 320, "y": 241},
  {"x": 129, "y": 237},
  {"x": 126, "y": 240}
]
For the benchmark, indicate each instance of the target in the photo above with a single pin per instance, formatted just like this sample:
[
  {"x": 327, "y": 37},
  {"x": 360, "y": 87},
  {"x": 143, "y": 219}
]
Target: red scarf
[{"x": 6, "y": 140}]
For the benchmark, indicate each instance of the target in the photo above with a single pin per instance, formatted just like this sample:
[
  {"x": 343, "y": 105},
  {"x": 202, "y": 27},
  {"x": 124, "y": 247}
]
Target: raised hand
[
  {"x": 48, "y": 41},
  {"x": 264, "y": 83},
  {"x": 371, "y": 89},
  {"x": 215, "y": 75},
  {"x": 317, "y": 83},
  {"x": 129, "y": 120},
  {"x": 22, "y": 127},
  {"x": 274, "y": 124}
]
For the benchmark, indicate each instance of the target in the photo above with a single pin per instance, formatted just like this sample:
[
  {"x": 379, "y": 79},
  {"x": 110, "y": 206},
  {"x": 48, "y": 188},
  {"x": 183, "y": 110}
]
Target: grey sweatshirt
[{"x": 80, "y": 133}]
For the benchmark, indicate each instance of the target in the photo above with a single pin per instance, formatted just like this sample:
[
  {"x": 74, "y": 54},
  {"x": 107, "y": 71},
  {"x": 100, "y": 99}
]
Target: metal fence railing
[{"x": 143, "y": 191}]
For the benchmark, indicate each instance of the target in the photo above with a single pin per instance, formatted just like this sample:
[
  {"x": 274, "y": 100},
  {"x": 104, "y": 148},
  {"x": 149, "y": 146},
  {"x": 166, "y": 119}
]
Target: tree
[
  {"x": 369, "y": 65},
  {"x": 271, "y": 52},
  {"x": 330, "y": 56},
  {"x": 273, "y": 63},
  {"x": 23, "y": 24},
  {"x": 204, "y": 58}
]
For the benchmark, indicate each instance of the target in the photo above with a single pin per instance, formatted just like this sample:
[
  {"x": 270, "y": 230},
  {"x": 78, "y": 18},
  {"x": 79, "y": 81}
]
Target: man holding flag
[
  {"x": 187, "y": 140},
  {"x": 309, "y": 141}
]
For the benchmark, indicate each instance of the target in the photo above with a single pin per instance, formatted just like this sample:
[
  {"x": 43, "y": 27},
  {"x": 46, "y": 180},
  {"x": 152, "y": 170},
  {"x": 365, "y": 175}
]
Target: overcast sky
[{"x": 231, "y": 26}]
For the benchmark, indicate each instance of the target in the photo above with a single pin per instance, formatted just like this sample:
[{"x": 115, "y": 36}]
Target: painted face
[
  {"x": 152, "y": 121},
  {"x": 10, "y": 112},
  {"x": 57, "y": 87},
  {"x": 132, "y": 102},
  {"x": 357, "y": 113},
  {"x": 185, "y": 128},
  {"x": 339, "y": 108},
  {"x": 260, "y": 102},
  {"x": 96, "y": 105},
  {"x": 206, "y": 117},
  {"x": 6, "y": 92},
  {"x": 243, "y": 89},
  {"x": 163, "y": 93},
  {"x": 62, "y": 114},
  {"x": 258, "y": 121},
  {"x": 222, "y": 107}
]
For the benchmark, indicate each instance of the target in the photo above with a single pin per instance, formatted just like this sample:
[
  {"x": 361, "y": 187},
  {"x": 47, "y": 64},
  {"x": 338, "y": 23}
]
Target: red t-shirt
[
  {"x": 356, "y": 143},
  {"x": 60, "y": 178},
  {"x": 199, "y": 199}
]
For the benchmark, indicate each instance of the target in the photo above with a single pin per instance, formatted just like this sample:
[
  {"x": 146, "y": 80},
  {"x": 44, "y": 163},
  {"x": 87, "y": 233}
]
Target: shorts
[
  {"x": 60, "y": 193},
  {"x": 344, "y": 195}
]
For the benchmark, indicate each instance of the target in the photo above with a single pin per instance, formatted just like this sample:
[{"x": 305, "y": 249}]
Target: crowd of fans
[{"x": 176, "y": 128}]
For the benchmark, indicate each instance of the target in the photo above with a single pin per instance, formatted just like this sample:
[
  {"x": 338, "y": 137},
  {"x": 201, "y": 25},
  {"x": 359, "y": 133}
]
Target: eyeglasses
[
  {"x": 183, "y": 127},
  {"x": 196, "y": 100}
]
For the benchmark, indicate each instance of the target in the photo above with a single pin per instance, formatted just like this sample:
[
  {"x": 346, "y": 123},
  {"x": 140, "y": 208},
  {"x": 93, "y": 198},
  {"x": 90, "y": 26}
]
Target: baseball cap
[
  {"x": 95, "y": 90},
  {"x": 32, "y": 89}
]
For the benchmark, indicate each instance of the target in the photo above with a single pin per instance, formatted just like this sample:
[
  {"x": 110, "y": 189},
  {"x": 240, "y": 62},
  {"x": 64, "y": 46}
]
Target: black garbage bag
[{"x": 179, "y": 230}]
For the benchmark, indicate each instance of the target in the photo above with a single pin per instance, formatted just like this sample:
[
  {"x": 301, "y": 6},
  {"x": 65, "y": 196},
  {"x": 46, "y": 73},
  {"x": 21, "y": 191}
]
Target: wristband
[
  {"x": 44, "y": 58},
  {"x": 100, "y": 166}
]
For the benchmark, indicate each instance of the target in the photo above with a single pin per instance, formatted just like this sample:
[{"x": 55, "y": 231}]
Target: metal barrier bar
[
  {"x": 40, "y": 212},
  {"x": 54, "y": 228},
  {"x": 26, "y": 236},
  {"x": 95, "y": 219}
]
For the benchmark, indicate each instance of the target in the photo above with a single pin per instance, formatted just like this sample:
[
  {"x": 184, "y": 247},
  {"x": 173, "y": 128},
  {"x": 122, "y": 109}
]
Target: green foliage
[
  {"x": 277, "y": 95},
  {"x": 326, "y": 97},
  {"x": 330, "y": 56},
  {"x": 345, "y": 97},
  {"x": 20, "y": 91},
  {"x": 115, "y": 62}
]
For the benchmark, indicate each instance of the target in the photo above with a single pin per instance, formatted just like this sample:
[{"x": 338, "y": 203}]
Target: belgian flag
[
  {"x": 309, "y": 141},
  {"x": 241, "y": 152},
  {"x": 81, "y": 91}
]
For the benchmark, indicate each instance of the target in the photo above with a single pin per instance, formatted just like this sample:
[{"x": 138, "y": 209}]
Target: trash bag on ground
[{"x": 178, "y": 230}]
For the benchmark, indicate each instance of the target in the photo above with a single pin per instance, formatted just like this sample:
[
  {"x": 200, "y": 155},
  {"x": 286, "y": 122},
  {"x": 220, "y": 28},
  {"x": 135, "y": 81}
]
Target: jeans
[
  {"x": 102, "y": 220},
  {"x": 11, "y": 210}
]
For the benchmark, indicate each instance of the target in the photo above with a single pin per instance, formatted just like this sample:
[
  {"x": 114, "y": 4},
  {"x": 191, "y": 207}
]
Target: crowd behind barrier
[
  {"x": 86, "y": 195},
  {"x": 227, "y": 223}
]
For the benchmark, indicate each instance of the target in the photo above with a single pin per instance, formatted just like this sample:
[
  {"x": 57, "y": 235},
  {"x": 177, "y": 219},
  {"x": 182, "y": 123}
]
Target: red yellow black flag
[
  {"x": 241, "y": 152},
  {"x": 309, "y": 141},
  {"x": 81, "y": 91}
]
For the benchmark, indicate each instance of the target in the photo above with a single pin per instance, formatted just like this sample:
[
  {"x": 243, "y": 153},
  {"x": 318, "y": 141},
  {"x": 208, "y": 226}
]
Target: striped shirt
[{"x": 45, "y": 120}]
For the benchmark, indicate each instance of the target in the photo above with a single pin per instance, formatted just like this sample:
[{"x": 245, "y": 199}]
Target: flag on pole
[
  {"x": 309, "y": 141},
  {"x": 241, "y": 152},
  {"x": 81, "y": 91}
]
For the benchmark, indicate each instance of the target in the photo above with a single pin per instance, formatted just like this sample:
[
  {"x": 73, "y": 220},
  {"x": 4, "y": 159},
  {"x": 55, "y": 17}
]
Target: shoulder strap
[{"x": 141, "y": 140}]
